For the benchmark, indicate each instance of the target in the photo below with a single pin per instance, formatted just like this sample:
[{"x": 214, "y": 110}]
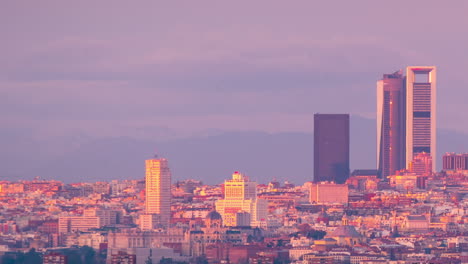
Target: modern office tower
[
  {"x": 331, "y": 147},
  {"x": 158, "y": 190},
  {"x": 420, "y": 112},
  {"x": 240, "y": 202},
  {"x": 456, "y": 162},
  {"x": 391, "y": 136}
]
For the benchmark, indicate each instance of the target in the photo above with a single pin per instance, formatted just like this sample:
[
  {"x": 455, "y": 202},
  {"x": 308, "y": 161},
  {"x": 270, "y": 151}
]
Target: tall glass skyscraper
[
  {"x": 391, "y": 116},
  {"x": 331, "y": 147}
]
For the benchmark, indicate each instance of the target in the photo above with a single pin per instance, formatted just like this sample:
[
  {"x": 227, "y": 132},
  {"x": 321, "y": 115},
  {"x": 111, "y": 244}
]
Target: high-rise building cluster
[
  {"x": 406, "y": 129},
  {"x": 406, "y": 118}
]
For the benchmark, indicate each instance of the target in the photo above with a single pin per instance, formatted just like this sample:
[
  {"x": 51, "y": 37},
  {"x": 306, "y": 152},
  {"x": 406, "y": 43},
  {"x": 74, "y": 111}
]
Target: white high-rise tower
[{"x": 420, "y": 112}]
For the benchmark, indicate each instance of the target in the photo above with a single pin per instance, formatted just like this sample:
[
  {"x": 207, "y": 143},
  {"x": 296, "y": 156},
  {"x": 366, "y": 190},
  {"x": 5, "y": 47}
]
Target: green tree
[
  {"x": 149, "y": 260},
  {"x": 166, "y": 261},
  {"x": 32, "y": 257},
  {"x": 72, "y": 256},
  {"x": 12, "y": 258},
  {"x": 87, "y": 254},
  {"x": 316, "y": 234},
  {"x": 304, "y": 228},
  {"x": 201, "y": 260}
]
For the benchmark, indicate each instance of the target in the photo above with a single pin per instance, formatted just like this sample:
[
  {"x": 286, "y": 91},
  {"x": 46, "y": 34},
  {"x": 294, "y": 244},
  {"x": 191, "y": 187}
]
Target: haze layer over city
[
  {"x": 214, "y": 132},
  {"x": 93, "y": 91}
]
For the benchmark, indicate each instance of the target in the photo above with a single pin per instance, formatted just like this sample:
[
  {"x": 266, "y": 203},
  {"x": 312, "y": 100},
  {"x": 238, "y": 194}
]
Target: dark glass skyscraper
[
  {"x": 331, "y": 147},
  {"x": 391, "y": 117}
]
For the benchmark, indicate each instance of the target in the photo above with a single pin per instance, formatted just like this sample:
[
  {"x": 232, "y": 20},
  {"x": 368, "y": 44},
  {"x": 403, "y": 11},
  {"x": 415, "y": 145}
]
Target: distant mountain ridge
[{"x": 262, "y": 156}]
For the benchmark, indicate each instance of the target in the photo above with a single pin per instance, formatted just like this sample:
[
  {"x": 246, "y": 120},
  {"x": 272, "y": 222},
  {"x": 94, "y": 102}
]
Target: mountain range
[{"x": 210, "y": 158}]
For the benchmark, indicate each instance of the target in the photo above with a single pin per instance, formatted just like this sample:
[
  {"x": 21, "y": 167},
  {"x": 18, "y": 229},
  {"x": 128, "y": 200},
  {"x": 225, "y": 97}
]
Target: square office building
[{"x": 331, "y": 147}]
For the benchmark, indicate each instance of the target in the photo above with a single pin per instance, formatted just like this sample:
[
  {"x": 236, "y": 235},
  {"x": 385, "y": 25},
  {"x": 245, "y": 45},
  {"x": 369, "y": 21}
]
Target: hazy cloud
[{"x": 267, "y": 65}]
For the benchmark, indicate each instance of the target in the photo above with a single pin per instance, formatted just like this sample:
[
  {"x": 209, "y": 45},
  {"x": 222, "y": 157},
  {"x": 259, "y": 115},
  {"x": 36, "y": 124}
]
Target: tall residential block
[
  {"x": 68, "y": 224},
  {"x": 158, "y": 190},
  {"x": 391, "y": 136},
  {"x": 406, "y": 118},
  {"x": 420, "y": 112},
  {"x": 331, "y": 147},
  {"x": 456, "y": 162}
]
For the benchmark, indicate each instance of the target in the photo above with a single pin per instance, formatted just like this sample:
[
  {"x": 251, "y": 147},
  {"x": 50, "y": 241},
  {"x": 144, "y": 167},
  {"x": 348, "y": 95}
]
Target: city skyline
[
  {"x": 299, "y": 132},
  {"x": 210, "y": 72}
]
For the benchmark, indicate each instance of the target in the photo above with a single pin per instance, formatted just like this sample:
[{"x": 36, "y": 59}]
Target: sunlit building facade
[
  {"x": 406, "y": 118},
  {"x": 240, "y": 201},
  {"x": 158, "y": 190},
  {"x": 68, "y": 224},
  {"x": 420, "y": 112},
  {"x": 326, "y": 192}
]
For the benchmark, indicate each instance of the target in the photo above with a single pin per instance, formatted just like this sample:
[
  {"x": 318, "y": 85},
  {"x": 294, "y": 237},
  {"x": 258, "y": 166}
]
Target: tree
[
  {"x": 304, "y": 228},
  {"x": 279, "y": 261},
  {"x": 201, "y": 260},
  {"x": 149, "y": 260},
  {"x": 316, "y": 234},
  {"x": 280, "y": 243},
  {"x": 87, "y": 254},
  {"x": 21, "y": 258},
  {"x": 166, "y": 261},
  {"x": 32, "y": 257}
]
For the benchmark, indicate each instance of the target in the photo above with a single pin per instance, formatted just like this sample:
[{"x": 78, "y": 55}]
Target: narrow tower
[
  {"x": 420, "y": 112},
  {"x": 158, "y": 190},
  {"x": 391, "y": 118}
]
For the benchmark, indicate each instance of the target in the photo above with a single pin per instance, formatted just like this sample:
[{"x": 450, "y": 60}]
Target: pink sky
[{"x": 119, "y": 68}]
